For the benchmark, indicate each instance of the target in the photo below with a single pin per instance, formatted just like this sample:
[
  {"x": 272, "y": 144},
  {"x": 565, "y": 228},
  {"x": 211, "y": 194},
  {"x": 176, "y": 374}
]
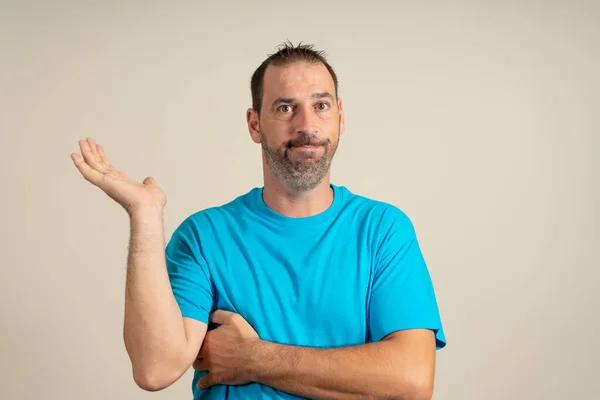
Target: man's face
[{"x": 300, "y": 123}]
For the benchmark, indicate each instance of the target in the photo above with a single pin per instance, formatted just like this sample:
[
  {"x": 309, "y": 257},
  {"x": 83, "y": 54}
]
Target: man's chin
[{"x": 305, "y": 165}]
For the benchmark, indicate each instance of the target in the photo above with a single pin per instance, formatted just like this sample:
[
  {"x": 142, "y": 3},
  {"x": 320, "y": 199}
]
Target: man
[{"x": 309, "y": 290}]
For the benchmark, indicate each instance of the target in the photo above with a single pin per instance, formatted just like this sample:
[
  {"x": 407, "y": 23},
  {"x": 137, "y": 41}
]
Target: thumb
[
  {"x": 205, "y": 382},
  {"x": 149, "y": 181}
]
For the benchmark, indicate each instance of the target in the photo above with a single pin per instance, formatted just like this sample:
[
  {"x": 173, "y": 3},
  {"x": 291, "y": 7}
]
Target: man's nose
[{"x": 305, "y": 121}]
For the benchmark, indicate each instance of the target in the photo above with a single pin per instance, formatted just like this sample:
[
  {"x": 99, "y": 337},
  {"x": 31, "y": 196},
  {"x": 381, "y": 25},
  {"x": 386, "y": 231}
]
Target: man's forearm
[
  {"x": 369, "y": 371},
  {"x": 154, "y": 332}
]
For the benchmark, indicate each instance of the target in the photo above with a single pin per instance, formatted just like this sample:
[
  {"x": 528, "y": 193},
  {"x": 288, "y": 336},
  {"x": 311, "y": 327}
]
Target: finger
[
  {"x": 102, "y": 155},
  {"x": 222, "y": 317},
  {"x": 93, "y": 147},
  {"x": 87, "y": 150},
  {"x": 149, "y": 181},
  {"x": 89, "y": 157},
  {"x": 205, "y": 382},
  {"x": 199, "y": 364},
  {"x": 90, "y": 174}
]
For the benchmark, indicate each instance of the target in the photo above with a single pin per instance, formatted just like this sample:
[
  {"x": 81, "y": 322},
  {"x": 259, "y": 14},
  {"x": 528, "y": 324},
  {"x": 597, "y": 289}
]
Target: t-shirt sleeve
[
  {"x": 188, "y": 272},
  {"x": 402, "y": 292}
]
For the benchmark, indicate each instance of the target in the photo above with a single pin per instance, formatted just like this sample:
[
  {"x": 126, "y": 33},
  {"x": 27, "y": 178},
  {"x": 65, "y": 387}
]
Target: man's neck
[{"x": 297, "y": 205}]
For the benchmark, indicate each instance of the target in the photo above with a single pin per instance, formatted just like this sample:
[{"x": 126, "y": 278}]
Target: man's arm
[
  {"x": 400, "y": 366},
  {"x": 161, "y": 344}
]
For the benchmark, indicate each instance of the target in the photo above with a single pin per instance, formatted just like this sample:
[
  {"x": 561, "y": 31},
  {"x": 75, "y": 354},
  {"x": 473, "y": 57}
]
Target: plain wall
[{"x": 480, "y": 120}]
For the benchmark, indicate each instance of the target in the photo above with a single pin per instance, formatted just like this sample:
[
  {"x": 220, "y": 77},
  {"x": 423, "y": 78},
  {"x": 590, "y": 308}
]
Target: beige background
[{"x": 480, "y": 120}]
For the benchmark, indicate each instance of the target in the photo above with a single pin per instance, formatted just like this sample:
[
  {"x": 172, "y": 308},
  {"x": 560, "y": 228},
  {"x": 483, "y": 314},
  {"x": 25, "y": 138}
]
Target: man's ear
[
  {"x": 252, "y": 119},
  {"x": 341, "y": 114}
]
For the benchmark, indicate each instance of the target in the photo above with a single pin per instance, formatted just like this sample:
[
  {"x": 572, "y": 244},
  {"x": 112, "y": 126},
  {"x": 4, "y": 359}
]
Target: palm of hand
[{"x": 132, "y": 195}]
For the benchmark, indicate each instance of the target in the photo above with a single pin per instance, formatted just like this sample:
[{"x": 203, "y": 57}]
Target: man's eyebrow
[
  {"x": 322, "y": 95},
  {"x": 282, "y": 100},
  {"x": 319, "y": 95}
]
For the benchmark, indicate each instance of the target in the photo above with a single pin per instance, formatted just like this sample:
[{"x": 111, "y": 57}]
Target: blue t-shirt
[{"x": 349, "y": 275}]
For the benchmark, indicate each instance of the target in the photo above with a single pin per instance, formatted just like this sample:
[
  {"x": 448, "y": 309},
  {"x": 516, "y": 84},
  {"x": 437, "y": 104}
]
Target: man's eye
[
  {"x": 285, "y": 108},
  {"x": 322, "y": 106}
]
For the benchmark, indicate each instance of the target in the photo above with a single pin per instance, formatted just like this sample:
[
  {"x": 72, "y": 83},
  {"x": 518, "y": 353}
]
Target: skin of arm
[
  {"x": 161, "y": 344},
  {"x": 400, "y": 366}
]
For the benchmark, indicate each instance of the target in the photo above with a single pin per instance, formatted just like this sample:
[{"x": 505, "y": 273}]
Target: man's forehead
[{"x": 297, "y": 76}]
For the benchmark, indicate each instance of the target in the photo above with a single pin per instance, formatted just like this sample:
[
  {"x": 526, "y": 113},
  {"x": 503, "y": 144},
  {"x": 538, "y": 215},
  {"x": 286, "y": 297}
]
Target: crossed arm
[{"x": 400, "y": 366}]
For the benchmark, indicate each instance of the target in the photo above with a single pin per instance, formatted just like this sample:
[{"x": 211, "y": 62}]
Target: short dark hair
[{"x": 287, "y": 54}]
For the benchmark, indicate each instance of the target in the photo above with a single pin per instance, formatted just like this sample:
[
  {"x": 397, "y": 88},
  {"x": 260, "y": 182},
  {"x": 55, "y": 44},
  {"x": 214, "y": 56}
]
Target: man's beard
[{"x": 303, "y": 172}]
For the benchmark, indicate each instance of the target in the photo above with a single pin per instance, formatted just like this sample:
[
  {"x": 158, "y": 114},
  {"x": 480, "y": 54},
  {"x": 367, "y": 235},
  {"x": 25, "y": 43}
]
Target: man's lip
[{"x": 306, "y": 146}]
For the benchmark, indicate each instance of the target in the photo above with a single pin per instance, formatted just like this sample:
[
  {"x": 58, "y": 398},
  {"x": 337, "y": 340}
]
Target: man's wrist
[
  {"x": 145, "y": 211},
  {"x": 261, "y": 355}
]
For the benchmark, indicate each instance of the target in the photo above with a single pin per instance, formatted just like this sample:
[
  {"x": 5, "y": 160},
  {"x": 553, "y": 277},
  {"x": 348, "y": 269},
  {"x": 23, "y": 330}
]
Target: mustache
[{"x": 306, "y": 140}]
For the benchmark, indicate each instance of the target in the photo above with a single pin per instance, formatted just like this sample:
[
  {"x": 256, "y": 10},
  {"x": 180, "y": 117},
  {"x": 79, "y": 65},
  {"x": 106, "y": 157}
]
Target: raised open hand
[{"x": 132, "y": 195}]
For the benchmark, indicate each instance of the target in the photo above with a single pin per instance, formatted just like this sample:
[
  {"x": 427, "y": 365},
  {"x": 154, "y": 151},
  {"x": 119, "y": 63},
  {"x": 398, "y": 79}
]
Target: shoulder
[
  {"x": 385, "y": 216},
  {"x": 216, "y": 217}
]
